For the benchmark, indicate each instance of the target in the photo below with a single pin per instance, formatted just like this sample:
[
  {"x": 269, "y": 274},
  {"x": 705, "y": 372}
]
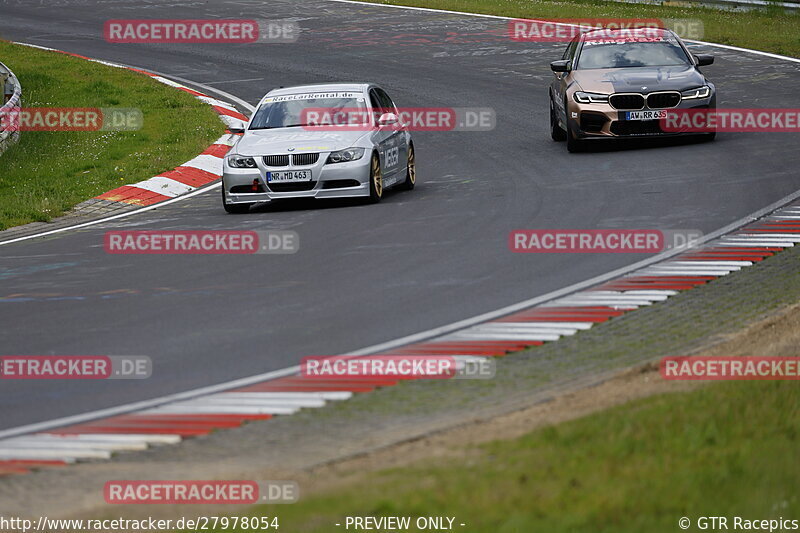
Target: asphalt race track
[{"x": 364, "y": 274}]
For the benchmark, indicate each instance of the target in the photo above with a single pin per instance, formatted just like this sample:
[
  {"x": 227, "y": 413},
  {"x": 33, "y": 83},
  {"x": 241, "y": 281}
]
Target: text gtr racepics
[
  {"x": 623, "y": 83},
  {"x": 297, "y": 146}
]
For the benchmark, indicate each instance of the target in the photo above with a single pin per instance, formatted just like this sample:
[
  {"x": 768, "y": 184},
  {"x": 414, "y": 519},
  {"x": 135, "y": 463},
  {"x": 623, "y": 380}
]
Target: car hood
[
  {"x": 638, "y": 79},
  {"x": 284, "y": 140}
]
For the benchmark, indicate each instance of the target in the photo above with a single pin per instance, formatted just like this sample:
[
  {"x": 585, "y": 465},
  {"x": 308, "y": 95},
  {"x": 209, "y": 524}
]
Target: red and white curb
[
  {"x": 171, "y": 421},
  {"x": 200, "y": 171}
]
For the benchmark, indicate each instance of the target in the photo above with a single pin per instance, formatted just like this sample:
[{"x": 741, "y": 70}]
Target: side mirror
[
  {"x": 562, "y": 65},
  {"x": 236, "y": 131},
  {"x": 703, "y": 59},
  {"x": 387, "y": 119}
]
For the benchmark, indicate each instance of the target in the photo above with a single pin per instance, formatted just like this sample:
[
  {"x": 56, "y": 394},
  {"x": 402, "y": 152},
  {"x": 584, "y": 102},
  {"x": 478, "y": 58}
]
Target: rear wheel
[
  {"x": 234, "y": 209},
  {"x": 557, "y": 133},
  {"x": 411, "y": 170},
  {"x": 375, "y": 180}
]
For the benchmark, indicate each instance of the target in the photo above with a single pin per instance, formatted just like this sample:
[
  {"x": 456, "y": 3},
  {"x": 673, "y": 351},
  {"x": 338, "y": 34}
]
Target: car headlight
[
  {"x": 590, "y": 98},
  {"x": 351, "y": 154},
  {"x": 697, "y": 92},
  {"x": 237, "y": 161}
]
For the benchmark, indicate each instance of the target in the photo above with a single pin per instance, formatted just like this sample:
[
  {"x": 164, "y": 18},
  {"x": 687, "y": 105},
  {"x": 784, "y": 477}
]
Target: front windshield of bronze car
[
  {"x": 310, "y": 110},
  {"x": 610, "y": 53}
]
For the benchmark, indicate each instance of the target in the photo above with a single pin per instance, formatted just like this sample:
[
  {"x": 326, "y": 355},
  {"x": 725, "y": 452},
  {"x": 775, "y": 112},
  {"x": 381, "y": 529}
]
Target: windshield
[
  {"x": 292, "y": 110},
  {"x": 646, "y": 53}
]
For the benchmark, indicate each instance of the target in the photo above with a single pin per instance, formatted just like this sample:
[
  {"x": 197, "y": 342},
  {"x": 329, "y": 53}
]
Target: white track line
[
  {"x": 189, "y": 409},
  {"x": 655, "y": 271},
  {"x": 334, "y": 395},
  {"x": 129, "y": 438},
  {"x": 34, "y": 443},
  {"x": 689, "y": 268},
  {"x": 206, "y": 162},
  {"x": 14, "y": 453},
  {"x": 218, "y": 103},
  {"x": 291, "y": 403},
  {"x": 571, "y": 325},
  {"x": 149, "y": 438},
  {"x": 500, "y": 337},
  {"x": 755, "y": 244},
  {"x": 710, "y": 263},
  {"x": 501, "y": 17},
  {"x": 640, "y": 292},
  {"x": 165, "y": 186},
  {"x": 520, "y": 330},
  {"x": 606, "y": 300}
]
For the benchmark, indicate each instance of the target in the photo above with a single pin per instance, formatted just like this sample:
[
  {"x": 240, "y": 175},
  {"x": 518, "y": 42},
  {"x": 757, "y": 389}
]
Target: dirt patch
[{"x": 778, "y": 335}]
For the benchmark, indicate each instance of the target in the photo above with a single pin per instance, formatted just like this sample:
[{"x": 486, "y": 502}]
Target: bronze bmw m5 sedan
[{"x": 622, "y": 83}]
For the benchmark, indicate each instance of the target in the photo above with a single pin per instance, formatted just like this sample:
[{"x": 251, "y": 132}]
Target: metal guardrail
[
  {"x": 731, "y": 5},
  {"x": 11, "y": 100}
]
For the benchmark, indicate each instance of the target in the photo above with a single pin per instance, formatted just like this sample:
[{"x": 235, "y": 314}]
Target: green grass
[
  {"x": 769, "y": 29},
  {"x": 47, "y": 173},
  {"x": 728, "y": 449}
]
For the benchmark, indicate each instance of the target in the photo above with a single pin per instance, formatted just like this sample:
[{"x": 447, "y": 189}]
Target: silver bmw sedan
[{"x": 334, "y": 140}]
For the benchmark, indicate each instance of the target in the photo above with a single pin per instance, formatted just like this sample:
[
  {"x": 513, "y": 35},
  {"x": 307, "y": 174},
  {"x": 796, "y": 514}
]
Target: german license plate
[
  {"x": 646, "y": 115},
  {"x": 289, "y": 176}
]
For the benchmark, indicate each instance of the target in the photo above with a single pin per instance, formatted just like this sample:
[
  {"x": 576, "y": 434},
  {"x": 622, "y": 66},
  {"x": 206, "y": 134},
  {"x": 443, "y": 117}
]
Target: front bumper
[
  {"x": 601, "y": 121},
  {"x": 338, "y": 180}
]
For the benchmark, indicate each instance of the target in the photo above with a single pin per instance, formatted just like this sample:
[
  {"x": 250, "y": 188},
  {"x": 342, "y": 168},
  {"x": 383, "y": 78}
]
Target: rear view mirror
[
  {"x": 562, "y": 65},
  {"x": 703, "y": 59},
  {"x": 237, "y": 126},
  {"x": 387, "y": 119}
]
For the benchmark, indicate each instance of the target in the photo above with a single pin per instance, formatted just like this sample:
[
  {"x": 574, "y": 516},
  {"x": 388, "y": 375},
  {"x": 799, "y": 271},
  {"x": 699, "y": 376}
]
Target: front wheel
[
  {"x": 557, "y": 133},
  {"x": 574, "y": 144},
  {"x": 234, "y": 209},
  {"x": 375, "y": 180},
  {"x": 411, "y": 170}
]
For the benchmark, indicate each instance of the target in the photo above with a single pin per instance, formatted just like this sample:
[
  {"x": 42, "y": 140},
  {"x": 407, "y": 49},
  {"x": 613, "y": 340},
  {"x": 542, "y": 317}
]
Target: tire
[
  {"x": 574, "y": 145},
  {"x": 234, "y": 209},
  {"x": 375, "y": 180},
  {"x": 557, "y": 133},
  {"x": 411, "y": 170}
]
